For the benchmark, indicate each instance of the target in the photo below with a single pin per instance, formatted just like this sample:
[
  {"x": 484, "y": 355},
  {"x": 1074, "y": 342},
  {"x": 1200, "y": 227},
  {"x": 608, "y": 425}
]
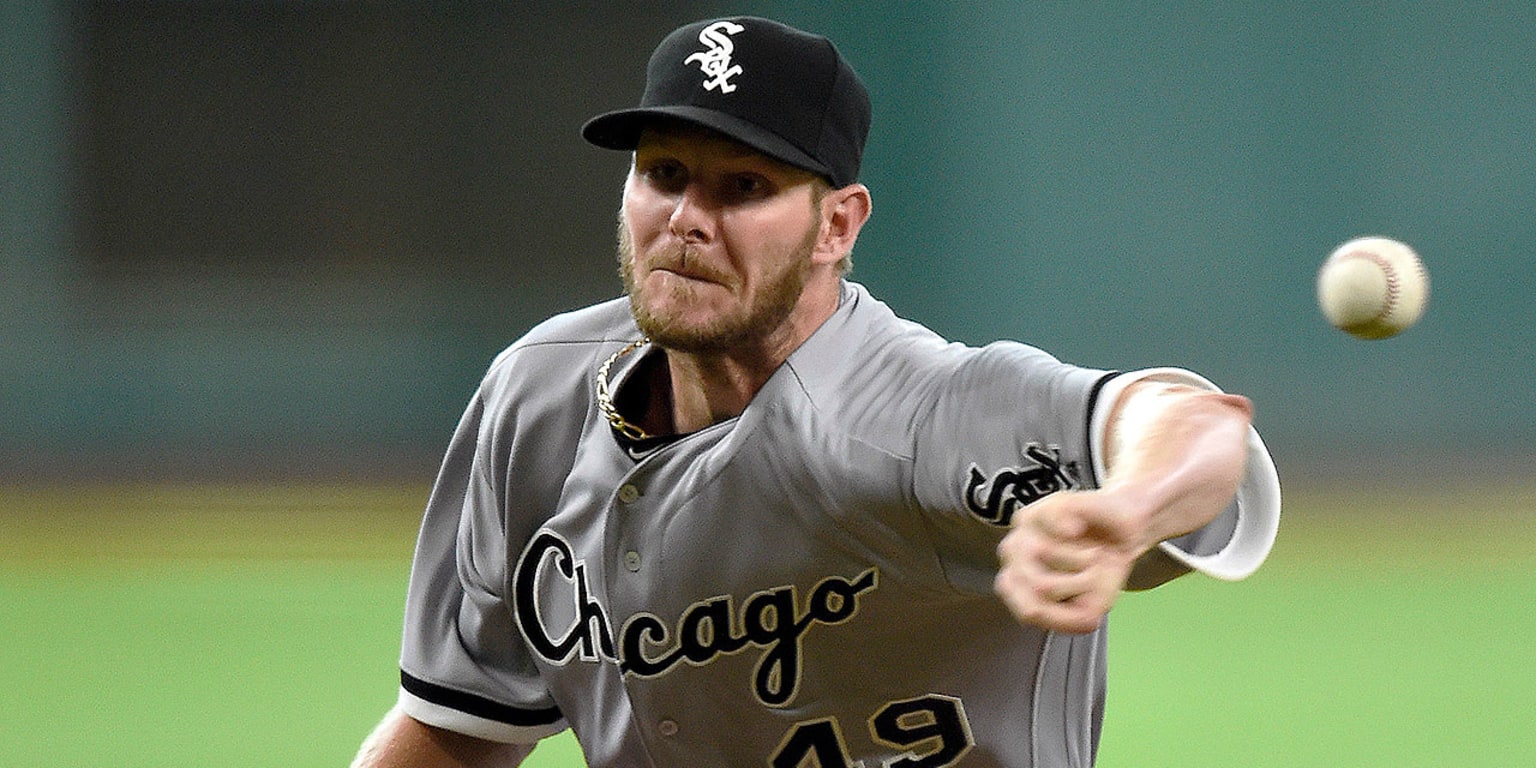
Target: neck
[{"x": 708, "y": 388}]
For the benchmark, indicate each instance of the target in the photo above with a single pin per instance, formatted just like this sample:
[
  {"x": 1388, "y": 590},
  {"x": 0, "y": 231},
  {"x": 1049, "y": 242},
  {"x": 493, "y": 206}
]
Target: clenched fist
[{"x": 1067, "y": 558}]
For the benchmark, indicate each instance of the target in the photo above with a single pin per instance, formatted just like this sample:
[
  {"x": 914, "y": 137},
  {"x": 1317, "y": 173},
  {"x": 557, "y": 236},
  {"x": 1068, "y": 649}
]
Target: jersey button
[
  {"x": 632, "y": 561},
  {"x": 667, "y": 728},
  {"x": 628, "y": 493}
]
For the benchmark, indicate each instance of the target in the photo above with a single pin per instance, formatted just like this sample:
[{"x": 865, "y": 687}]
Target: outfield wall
[{"x": 287, "y": 237}]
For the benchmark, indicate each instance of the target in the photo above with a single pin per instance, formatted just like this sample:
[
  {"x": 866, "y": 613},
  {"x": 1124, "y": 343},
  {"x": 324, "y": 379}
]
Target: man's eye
[
  {"x": 749, "y": 185},
  {"x": 664, "y": 174}
]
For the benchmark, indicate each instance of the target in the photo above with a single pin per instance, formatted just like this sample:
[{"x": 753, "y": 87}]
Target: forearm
[
  {"x": 401, "y": 741},
  {"x": 1175, "y": 457}
]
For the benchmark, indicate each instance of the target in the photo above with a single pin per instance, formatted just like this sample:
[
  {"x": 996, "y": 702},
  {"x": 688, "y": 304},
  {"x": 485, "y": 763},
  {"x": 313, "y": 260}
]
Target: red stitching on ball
[{"x": 1388, "y": 272}]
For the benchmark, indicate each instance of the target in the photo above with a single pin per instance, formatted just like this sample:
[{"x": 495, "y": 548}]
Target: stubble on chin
[{"x": 748, "y": 326}]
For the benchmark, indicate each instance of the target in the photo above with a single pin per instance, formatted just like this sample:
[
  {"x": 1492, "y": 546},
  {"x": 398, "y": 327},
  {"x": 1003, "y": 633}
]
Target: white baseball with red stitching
[{"x": 1373, "y": 287}]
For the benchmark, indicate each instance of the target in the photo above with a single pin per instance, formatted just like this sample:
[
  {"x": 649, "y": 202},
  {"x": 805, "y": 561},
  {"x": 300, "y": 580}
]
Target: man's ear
[{"x": 843, "y": 213}]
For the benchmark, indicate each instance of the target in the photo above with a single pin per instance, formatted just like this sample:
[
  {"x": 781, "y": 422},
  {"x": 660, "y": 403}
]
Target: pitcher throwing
[{"x": 748, "y": 516}]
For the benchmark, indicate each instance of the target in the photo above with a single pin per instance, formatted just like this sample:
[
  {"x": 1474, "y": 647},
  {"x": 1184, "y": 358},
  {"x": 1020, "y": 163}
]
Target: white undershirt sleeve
[{"x": 1234, "y": 545}]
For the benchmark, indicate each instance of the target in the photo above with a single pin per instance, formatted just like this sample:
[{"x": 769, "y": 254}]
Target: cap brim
[{"x": 621, "y": 130}]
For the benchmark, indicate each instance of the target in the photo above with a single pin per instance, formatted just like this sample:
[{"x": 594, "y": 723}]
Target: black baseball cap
[{"x": 786, "y": 93}]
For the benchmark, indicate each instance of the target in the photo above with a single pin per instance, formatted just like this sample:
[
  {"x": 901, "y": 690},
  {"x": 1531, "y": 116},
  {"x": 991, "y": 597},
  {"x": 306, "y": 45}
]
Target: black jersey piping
[
  {"x": 470, "y": 704},
  {"x": 1093, "y": 407}
]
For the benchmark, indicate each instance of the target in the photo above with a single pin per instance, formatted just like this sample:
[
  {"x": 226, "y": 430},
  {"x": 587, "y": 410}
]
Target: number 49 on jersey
[{"x": 935, "y": 724}]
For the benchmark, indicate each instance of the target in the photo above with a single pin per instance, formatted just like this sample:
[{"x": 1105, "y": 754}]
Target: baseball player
[{"x": 747, "y": 516}]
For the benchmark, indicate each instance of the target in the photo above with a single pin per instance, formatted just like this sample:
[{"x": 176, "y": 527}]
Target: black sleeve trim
[
  {"x": 1093, "y": 407},
  {"x": 478, "y": 706}
]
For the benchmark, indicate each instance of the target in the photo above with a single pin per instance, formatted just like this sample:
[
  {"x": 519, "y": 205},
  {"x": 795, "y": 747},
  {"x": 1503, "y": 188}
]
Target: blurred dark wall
[
  {"x": 289, "y": 236},
  {"x": 286, "y": 237}
]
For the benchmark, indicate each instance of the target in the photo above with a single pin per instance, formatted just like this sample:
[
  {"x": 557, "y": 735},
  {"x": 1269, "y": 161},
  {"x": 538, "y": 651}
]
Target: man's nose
[{"x": 691, "y": 217}]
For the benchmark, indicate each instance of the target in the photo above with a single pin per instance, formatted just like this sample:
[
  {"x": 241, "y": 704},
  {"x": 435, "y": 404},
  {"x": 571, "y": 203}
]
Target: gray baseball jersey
[{"x": 809, "y": 583}]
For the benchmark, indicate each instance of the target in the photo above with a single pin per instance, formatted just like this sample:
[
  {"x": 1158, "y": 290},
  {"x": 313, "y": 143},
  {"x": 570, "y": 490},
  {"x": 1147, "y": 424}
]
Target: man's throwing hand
[{"x": 1067, "y": 558}]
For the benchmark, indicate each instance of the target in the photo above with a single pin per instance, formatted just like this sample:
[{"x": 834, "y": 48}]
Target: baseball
[{"x": 1372, "y": 287}]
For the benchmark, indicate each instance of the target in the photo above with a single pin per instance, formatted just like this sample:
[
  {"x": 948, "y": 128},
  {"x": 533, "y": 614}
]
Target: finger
[
  {"x": 1072, "y": 616},
  {"x": 1067, "y": 556},
  {"x": 1070, "y": 602},
  {"x": 1038, "y": 605},
  {"x": 1057, "y": 517},
  {"x": 1029, "y": 581},
  {"x": 1063, "y": 587}
]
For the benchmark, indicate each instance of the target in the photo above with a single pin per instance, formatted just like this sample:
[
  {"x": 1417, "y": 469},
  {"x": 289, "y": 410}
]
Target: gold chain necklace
[{"x": 605, "y": 397}]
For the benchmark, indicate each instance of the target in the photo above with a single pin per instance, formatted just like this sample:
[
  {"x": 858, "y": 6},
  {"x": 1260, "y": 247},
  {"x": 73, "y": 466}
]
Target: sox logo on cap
[
  {"x": 803, "y": 104},
  {"x": 716, "y": 62}
]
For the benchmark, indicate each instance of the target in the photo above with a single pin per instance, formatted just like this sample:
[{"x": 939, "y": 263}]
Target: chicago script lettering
[
  {"x": 588, "y": 634},
  {"x": 773, "y": 620},
  {"x": 769, "y": 620}
]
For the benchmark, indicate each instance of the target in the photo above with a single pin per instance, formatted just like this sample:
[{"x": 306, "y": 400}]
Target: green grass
[
  {"x": 1387, "y": 629},
  {"x": 256, "y": 625}
]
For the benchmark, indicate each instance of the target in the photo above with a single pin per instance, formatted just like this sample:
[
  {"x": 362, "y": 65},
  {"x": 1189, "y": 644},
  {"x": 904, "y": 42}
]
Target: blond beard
[{"x": 767, "y": 312}]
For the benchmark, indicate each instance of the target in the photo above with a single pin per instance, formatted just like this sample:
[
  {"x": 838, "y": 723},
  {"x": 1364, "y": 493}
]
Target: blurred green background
[
  {"x": 255, "y": 254},
  {"x": 257, "y": 624}
]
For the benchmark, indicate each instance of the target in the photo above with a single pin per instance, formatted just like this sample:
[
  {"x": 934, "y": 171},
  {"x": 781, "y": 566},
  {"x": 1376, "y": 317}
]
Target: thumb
[{"x": 1105, "y": 517}]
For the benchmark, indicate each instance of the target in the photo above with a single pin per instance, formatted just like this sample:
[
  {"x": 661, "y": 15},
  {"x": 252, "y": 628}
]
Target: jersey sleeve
[
  {"x": 1014, "y": 425},
  {"x": 1237, "y": 542},
  {"x": 1006, "y": 426},
  {"x": 463, "y": 665}
]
